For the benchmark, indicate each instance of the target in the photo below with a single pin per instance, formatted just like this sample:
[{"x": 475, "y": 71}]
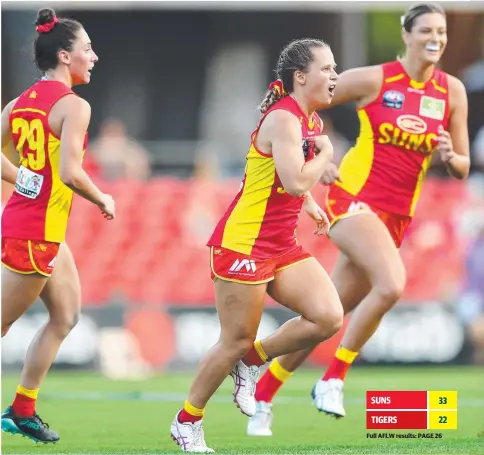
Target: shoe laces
[
  {"x": 198, "y": 437},
  {"x": 335, "y": 387},
  {"x": 252, "y": 378},
  {"x": 44, "y": 424}
]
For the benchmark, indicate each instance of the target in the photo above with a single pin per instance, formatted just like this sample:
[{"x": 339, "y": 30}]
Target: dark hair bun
[{"x": 45, "y": 16}]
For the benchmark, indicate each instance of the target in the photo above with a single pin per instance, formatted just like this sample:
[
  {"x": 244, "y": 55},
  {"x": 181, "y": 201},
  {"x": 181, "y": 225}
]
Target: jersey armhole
[
  {"x": 253, "y": 136},
  {"x": 62, "y": 95}
]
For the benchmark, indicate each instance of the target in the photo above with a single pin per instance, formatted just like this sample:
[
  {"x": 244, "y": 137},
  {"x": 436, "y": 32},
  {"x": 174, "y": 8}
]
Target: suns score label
[{"x": 397, "y": 399}]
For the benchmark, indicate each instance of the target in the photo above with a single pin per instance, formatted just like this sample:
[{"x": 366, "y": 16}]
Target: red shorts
[
  {"x": 29, "y": 256},
  {"x": 229, "y": 265},
  {"x": 341, "y": 204}
]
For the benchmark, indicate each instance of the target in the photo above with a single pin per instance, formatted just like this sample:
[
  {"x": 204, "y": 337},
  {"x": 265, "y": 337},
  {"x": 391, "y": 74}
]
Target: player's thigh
[
  {"x": 62, "y": 293},
  {"x": 366, "y": 242},
  {"x": 239, "y": 308},
  {"x": 19, "y": 292},
  {"x": 306, "y": 289},
  {"x": 25, "y": 270},
  {"x": 350, "y": 282}
]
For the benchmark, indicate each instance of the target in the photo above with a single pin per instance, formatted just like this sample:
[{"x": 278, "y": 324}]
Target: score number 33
[{"x": 32, "y": 157}]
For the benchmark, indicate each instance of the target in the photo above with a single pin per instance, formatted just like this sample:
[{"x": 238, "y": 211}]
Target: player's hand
[
  {"x": 331, "y": 174},
  {"x": 445, "y": 146},
  {"x": 318, "y": 215},
  {"x": 322, "y": 144},
  {"x": 107, "y": 206}
]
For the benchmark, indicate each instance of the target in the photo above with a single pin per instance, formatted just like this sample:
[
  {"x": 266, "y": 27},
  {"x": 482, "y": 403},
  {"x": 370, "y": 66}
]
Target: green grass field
[{"x": 96, "y": 415}]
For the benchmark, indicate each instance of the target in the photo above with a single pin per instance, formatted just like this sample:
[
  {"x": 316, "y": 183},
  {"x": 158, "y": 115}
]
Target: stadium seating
[{"x": 154, "y": 252}]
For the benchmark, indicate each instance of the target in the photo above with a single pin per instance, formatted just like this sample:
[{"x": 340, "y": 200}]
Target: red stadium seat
[{"x": 155, "y": 250}]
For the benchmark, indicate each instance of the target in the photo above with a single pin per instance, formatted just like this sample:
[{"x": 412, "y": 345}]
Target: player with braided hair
[{"x": 254, "y": 250}]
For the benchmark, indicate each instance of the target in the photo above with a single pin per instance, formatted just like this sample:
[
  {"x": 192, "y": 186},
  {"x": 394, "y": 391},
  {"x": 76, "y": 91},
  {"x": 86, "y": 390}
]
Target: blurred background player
[
  {"x": 47, "y": 126},
  {"x": 118, "y": 155},
  {"x": 407, "y": 110},
  {"x": 254, "y": 249}
]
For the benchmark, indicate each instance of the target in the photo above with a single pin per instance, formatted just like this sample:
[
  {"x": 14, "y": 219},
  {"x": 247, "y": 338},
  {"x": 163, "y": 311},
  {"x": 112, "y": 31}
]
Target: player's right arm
[
  {"x": 9, "y": 171},
  {"x": 360, "y": 85},
  {"x": 283, "y": 131},
  {"x": 75, "y": 120}
]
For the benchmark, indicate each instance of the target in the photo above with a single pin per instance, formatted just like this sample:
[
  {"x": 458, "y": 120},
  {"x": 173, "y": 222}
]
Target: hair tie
[
  {"x": 278, "y": 87},
  {"x": 48, "y": 26}
]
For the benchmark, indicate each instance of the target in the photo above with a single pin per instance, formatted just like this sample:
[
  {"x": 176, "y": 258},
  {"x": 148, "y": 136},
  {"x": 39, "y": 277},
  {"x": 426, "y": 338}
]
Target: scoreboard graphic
[{"x": 411, "y": 410}]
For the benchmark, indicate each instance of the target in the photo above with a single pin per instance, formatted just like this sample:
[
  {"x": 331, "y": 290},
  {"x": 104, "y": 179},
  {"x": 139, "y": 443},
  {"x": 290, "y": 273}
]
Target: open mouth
[
  {"x": 331, "y": 89},
  {"x": 434, "y": 48}
]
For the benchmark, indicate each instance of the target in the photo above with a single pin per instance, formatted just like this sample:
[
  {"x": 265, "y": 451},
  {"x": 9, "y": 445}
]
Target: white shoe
[
  {"x": 189, "y": 436},
  {"x": 328, "y": 397},
  {"x": 260, "y": 423},
  {"x": 245, "y": 380}
]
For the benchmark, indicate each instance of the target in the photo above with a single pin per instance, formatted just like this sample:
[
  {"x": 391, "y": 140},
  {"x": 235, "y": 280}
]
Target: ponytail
[{"x": 275, "y": 93}]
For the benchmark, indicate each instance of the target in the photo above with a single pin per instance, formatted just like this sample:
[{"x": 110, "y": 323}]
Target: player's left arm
[
  {"x": 454, "y": 144},
  {"x": 9, "y": 171}
]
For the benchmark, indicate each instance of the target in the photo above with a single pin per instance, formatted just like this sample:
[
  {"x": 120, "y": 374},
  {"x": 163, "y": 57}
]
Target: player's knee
[
  {"x": 241, "y": 347},
  {"x": 71, "y": 320},
  {"x": 329, "y": 321},
  {"x": 245, "y": 346},
  {"x": 390, "y": 292},
  {"x": 239, "y": 342},
  {"x": 65, "y": 322},
  {"x": 334, "y": 321}
]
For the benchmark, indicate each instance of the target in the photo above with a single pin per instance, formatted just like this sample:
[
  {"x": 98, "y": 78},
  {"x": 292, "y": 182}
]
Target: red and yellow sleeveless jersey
[
  {"x": 39, "y": 207},
  {"x": 394, "y": 149},
  {"x": 261, "y": 221}
]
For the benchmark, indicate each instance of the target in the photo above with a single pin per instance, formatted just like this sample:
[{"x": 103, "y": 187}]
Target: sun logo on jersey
[{"x": 410, "y": 132}]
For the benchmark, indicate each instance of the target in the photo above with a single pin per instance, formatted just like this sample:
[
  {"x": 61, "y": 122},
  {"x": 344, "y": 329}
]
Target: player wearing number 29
[
  {"x": 45, "y": 130},
  {"x": 409, "y": 111}
]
